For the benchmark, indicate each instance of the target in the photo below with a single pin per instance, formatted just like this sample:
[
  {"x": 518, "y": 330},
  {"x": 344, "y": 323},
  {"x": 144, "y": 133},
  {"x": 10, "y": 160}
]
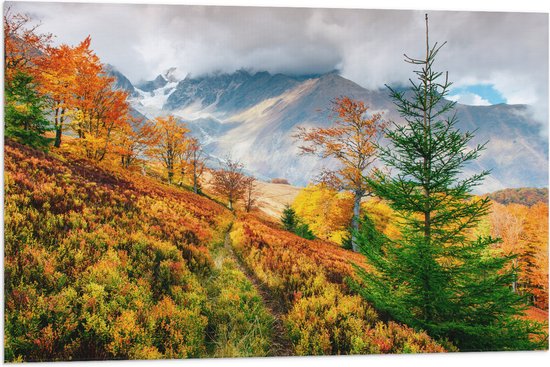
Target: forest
[{"x": 121, "y": 242}]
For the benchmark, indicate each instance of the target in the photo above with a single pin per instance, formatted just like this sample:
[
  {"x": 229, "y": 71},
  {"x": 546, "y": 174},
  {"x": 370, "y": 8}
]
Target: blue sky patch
[{"x": 486, "y": 91}]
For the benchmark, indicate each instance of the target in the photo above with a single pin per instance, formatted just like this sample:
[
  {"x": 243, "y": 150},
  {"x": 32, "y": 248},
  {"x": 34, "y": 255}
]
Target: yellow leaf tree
[
  {"x": 171, "y": 143},
  {"x": 326, "y": 211}
]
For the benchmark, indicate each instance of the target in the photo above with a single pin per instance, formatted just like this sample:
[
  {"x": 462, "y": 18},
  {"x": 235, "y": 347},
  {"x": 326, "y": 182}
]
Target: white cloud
[
  {"x": 506, "y": 50},
  {"x": 471, "y": 99}
]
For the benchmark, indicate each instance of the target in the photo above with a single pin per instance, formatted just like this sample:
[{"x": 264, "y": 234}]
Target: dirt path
[{"x": 281, "y": 344}]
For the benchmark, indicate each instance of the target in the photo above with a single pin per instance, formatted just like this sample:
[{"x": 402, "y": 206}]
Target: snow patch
[{"x": 150, "y": 103}]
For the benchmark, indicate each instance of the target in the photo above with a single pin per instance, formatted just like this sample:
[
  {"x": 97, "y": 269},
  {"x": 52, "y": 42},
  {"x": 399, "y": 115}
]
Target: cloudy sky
[{"x": 491, "y": 57}]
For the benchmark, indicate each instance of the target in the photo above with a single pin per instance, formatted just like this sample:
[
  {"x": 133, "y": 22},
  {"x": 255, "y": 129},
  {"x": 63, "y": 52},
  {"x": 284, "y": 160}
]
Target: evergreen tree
[
  {"x": 368, "y": 233},
  {"x": 289, "y": 219},
  {"x": 24, "y": 116},
  {"x": 292, "y": 223},
  {"x": 438, "y": 276},
  {"x": 302, "y": 230}
]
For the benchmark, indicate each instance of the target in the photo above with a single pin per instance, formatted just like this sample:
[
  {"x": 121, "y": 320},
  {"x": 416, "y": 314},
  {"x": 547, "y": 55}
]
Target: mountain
[
  {"x": 252, "y": 117},
  {"x": 151, "y": 85},
  {"x": 230, "y": 92},
  {"x": 121, "y": 82}
]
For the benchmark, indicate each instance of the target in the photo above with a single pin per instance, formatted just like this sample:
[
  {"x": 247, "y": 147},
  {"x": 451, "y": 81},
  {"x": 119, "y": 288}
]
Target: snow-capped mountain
[{"x": 252, "y": 116}]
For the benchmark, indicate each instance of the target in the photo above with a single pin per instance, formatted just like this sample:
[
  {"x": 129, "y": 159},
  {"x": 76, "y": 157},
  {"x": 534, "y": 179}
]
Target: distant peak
[
  {"x": 261, "y": 73},
  {"x": 170, "y": 75},
  {"x": 160, "y": 78},
  {"x": 331, "y": 75},
  {"x": 243, "y": 71}
]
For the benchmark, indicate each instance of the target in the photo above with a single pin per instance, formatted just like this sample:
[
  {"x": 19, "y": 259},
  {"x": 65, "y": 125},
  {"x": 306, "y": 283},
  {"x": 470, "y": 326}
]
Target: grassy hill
[{"x": 102, "y": 263}]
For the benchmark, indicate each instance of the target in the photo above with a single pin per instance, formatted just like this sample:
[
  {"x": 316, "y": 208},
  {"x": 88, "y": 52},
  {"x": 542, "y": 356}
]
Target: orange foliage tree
[
  {"x": 537, "y": 229},
  {"x": 171, "y": 143},
  {"x": 352, "y": 142},
  {"x": 507, "y": 224},
  {"x": 133, "y": 140},
  {"x": 230, "y": 181},
  {"x": 524, "y": 234},
  {"x": 100, "y": 110},
  {"x": 57, "y": 81},
  {"x": 72, "y": 79},
  {"x": 23, "y": 45}
]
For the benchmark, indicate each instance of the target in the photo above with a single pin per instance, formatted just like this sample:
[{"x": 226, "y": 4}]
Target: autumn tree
[
  {"x": 171, "y": 142},
  {"x": 509, "y": 228},
  {"x": 536, "y": 228},
  {"x": 351, "y": 141},
  {"x": 100, "y": 110},
  {"x": 250, "y": 193},
  {"x": 134, "y": 139},
  {"x": 524, "y": 233},
  {"x": 229, "y": 181},
  {"x": 57, "y": 77},
  {"x": 24, "y": 105},
  {"x": 438, "y": 276},
  {"x": 194, "y": 159},
  {"x": 23, "y": 44},
  {"x": 327, "y": 211},
  {"x": 74, "y": 81}
]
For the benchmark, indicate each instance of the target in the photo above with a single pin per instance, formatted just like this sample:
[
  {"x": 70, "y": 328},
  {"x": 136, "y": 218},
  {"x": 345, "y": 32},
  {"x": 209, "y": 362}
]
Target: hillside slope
[
  {"x": 321, "y": 313},
  {"x": 106, "y": 264},
  {"x": 101, "y": 264}
]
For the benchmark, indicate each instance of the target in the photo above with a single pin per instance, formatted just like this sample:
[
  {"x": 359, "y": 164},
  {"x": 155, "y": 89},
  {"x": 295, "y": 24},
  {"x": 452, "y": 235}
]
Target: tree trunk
[
  {"x": 170, "y": 175},
  {"x": 515, "y": 281},
  {"x": 195, "y": 188},
  {"x": 355, "y": 220},
  {"x": 58, "y": 133}
]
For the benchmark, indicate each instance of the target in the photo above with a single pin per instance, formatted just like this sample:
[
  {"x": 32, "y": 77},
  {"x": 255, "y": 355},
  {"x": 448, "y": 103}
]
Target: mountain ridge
[{"x": 252, "y": 117}]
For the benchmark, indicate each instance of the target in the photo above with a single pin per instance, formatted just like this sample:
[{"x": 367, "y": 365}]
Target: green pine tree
[
  {"x": 25, "y": 120},
  {"x": 302, "y": 230},
  {"x": 368, "y": 232},
  {"x": 438, "y": 276},
  {"x": 289, "y": 219},
  {"x": 292, "y": 223}
]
